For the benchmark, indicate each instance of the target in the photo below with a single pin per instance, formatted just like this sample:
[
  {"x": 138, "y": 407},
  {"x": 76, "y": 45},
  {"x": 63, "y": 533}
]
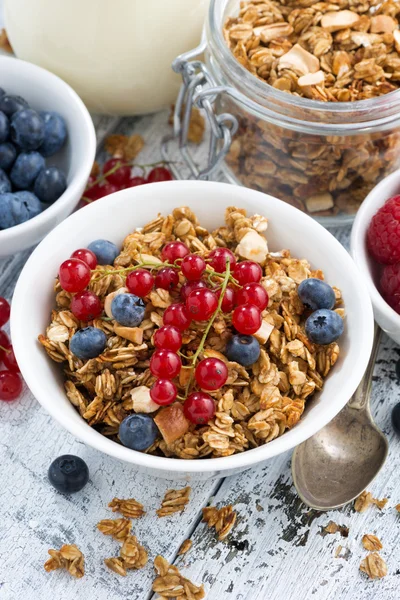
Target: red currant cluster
[
  {"x": 10, "y": 381},
  {"x": 117, "y": 175},
  {"x": 74, "y": 275}
]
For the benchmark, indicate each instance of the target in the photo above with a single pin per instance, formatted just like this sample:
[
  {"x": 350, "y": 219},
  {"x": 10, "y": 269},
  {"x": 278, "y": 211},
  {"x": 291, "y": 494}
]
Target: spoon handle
[{"x": 360, "y": 398}]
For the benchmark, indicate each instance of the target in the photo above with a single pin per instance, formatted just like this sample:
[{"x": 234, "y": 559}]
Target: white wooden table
[{"x": 275, "y": 551}]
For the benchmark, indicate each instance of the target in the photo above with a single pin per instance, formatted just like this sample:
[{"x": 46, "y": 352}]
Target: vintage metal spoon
[{"x": 336, "y": 464}]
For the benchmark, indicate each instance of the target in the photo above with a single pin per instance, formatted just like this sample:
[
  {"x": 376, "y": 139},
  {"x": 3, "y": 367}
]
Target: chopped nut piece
[
  {"x": 133, "y": 334},
  {"x": 307, "y": 81},
  {"x": 371, "y": 542},
  {"x": 319, "y": 202},
  {"x": 69, "y": 557},
  {"x": 383, "y": 24},
  {"x": 262, "y": 334},
  {"x": 222, "y": 519},
  {"x": 185, "y": 547},
  {"x": 110, "y": 297},
  {"x": 253, "y": 246},
  {"x": 141, "y": 400},
  {"x": 341, "y": 19},
  {"x": 171, "y": 584},
  {"x": 171, "y": 422},
  {"x": 130, "y": 508},
  {"x": 299, "y": 60},
  {"x": 174, "y": 501},
  {"x": 118, "y": 528},
  {"x": 374, "y": 566}
]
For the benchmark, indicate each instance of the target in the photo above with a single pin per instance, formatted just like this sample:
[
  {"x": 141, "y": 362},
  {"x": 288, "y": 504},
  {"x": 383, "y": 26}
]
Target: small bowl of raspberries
[{"x": 375, "y": 247}]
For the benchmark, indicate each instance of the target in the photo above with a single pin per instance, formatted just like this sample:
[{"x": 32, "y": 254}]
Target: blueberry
[
  {"x": 68, "y": 474},
  {"x": 88, "y": 342},
  {"x": 8, "y": 154},
  {"x": 4, "y": 127},
  {"x": 5, "y": 184},
  {"x": 243, "y": 349},
  {"x": 398, "y": 369},
  {"x": 27, "y": 129},
  {"x": 11, "y": 104},
  {"x": 324, "y": 326},
  {"x": 316, "y": 294},
  {"x": 138, "y": 432},
  {"x": 128, "y": 309},
  {"x": 50, "y": 184},
  {"x": 2, "y": 92},
  {"x": 17, "y": 208},
  {"x": 26, "y": 168},
  {"x": 396, "y": 418},
  {"x": 55, "y": 133},
  {"x": 106, "y": 252}
]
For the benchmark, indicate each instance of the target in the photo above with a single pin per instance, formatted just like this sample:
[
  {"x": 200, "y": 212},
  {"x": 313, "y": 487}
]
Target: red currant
[
  {"x": 87, "y": 256},
  {"x": 4, "y": 311},
  {"x": 189, "y": 286},
  {"x": 201, "y": 304},
  {"x": 4, "y": 343},
  {"x": 211, "y": 374},
  {"x": 168, "y": 337},
  {"x": 140, "y": 282},
  {"x": 74, "y": 275},
  {"x": 253, "y": 293},
  {"x": 193, "y": 266},
  {"x": 199, "y": 408},
  {"x": 165, "y": 364},
  {"x": 108, "y": 188},
  {"x": 218, "y": 257},
  {"x": 134, "y": 181},
  {"x": 177, "y": 315},
  {"x": 229, "y": 300},
  {"x": 10, "y": 386},
  {"x": 86, "y": 306},
  {"x": 9, "y": 360},
  {"x": 119, "y": 177},
  {"x": 246, "y": 319},
  {"x": 94, "y": 193},
  {"x": 174, "y": 251},
  {"x": 159, "y": 174},
  {"x": 247, "y": 271},
  {"x": 167, "y": 278},
  {"x": 163, "y": 392}
]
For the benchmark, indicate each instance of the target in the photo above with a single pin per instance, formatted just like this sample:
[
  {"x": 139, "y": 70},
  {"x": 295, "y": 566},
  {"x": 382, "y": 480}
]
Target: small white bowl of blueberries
[{"x": 47, "y": 149}]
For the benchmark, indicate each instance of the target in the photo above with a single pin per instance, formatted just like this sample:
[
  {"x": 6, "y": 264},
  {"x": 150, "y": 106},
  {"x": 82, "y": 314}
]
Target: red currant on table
[
  {"x": 159, "y": 174},
  {"x": 173, "y": 251},
  {"x": 4, "y": 311},
  {"x": 168, "y": 337},
  {"x": 74, "y": 275},
  {"x": 253, "y": 293},
  {"x": 199, "y": 408},
  {"x": 9, "y": 360},
  {"x": 4, "y": 343},
  {"x": 140, "y": 282},
  {"x": 218, "y": 257},
  {"x": 177, "y": 314},
  {"x": 167, "y": 278},
  {"x": 163, "y": 392},
  {"x": 87, "y": 256},
  {"x": 229, "y": 299},
  {"x": 119, "y": 177},
  {"x": 247, "y": 272},
  {"x": 189, "y": 286},
  {"x": 10, "y": 386},
  {"x": 246, "y": 319},
  {"x": 193, "y": 266},
  {"x": 86, "y": 306},
  {"x": 211, "y": 374},
  {"x": 134, "y": 181},
  {"x": 165, "y": 364},
  {"x": 201, "y": 304}
]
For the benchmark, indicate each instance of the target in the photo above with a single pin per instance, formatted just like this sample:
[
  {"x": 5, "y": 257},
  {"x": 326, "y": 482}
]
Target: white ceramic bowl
[
  {"x": 45, "y": 91},
  {"x": 385, "y": 316},
  {"x": 113, "y": 218}
]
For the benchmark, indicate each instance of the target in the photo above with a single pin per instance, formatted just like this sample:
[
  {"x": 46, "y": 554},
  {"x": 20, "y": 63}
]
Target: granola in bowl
[{"x": 164, "y": 364}]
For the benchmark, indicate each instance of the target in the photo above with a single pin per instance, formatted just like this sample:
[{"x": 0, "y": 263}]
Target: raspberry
[
  {"x": 383, "y": 235},
  {"x": 390, "y": 286}
]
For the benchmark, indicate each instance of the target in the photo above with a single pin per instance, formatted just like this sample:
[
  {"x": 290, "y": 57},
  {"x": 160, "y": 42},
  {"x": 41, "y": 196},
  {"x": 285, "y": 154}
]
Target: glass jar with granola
[{"x": 313, "y": 87}]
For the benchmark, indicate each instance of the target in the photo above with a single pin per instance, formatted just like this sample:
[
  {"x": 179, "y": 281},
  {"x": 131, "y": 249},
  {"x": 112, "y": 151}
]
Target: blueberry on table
[
  {"x": 68, "y": 474},
  {"x": 55, "y": 133},
  {"x": 128, "y": 309},
  {"x": 17, "y": 208},
  {"x": 88, "y": 343},
  {"x": 4, "y": 127},
  {"x": 243, "y": 349},
  {"x": 26, "y": 168},
  {"x": 10, "y": 104},
  {"x": 396, "y": 418},
  {"x": 106, "y": 252},
  {"x": 324, "y": 326},
  {"x": 138, "y": 432},
  {"x": 8, "y": 154},
  {"x": 5, "y": 183},
  {"x": 315, "y": 294},
  {"x": 27, "y": 129},
  {"x": 50, "y": 184},
  {"x": 398, "y": 369}
]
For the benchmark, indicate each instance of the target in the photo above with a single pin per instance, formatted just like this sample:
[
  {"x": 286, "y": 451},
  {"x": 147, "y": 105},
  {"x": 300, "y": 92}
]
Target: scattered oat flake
[
  {"x": 333, "y": 527},
  {"x": 119, "y": 529},
  {"x": 371, "y": 542},
  {"x": 130, "y": 508},
  {"x": 374, "y": 566},
  {"x": 124, "y": 146},
  {"x": 69, "y": 557},
  {"x": 338, "y": 551},
  {"x": 185, "y": 547},
  {"x": 4, "y": 42},
  {"x": 117, "y": 565},
  {"x": 174, "y": 501},
  {"x": 222, "y": 519},
  {"x": 170, "y": 583}
]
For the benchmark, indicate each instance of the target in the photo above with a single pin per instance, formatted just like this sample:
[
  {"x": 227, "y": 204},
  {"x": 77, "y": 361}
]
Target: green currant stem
[{"x": 5, "y": 349}]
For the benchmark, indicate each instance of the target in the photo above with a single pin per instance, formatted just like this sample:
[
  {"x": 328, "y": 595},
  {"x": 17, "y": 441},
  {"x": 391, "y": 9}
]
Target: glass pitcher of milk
[{"x": 116, "y": 54}]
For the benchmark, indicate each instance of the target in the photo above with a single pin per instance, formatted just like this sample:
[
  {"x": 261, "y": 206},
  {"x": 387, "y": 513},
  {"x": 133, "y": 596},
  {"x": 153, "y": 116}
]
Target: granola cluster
[
  {"x": 328, "y": 51},
  {"x": 257, "y": 403}
]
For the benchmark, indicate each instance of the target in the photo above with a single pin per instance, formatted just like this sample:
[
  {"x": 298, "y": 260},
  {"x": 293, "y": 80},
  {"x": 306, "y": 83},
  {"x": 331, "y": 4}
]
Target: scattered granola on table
[
  {"x": 222, "y": 519},
  {"x": 185, "y": 547},
  {"x": 119, "y": 529},
  {"x": 208, "y": 356},
  {"x": 130, "y": 508},
  {"x": 169, "y": 583},
  {"x": 333, "y": 527},
  {"x": 374, "y": 566},
  {"x": 366, "y": 499},
  {"x": 69, "y": 557},
  {"x": 371, "y": 542},
  {"x": 174, "y": 501},
  {"x": 131, "y": 556}
]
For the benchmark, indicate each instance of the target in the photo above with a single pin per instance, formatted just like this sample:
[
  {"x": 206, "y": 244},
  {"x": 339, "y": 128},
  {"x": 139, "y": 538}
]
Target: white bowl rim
[
  {"x": 242, "y": 460},
  {"x": 88, "y": 134},
  {"x": 358, "y": 244}
]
